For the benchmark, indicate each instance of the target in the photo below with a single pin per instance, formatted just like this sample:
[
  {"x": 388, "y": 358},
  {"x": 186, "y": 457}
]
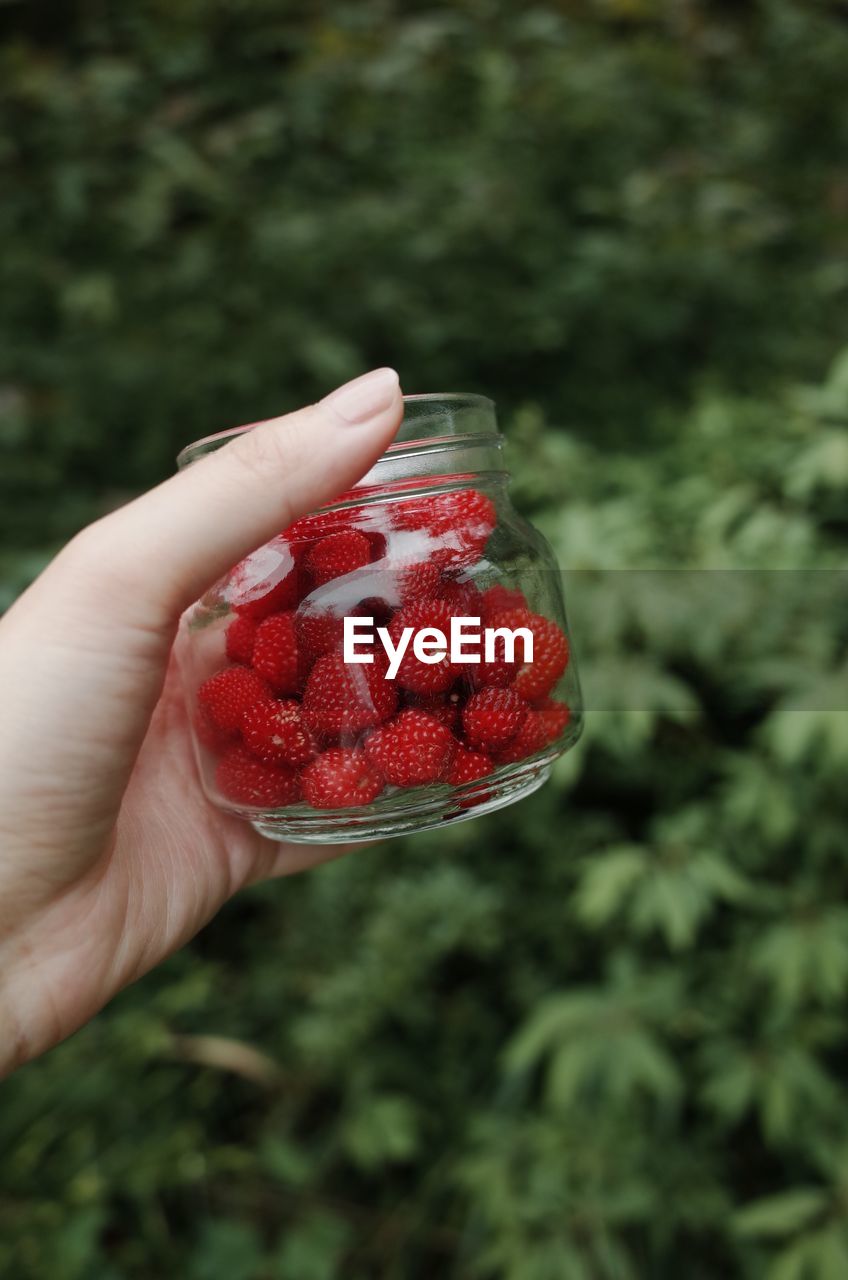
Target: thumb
[
  {"x": 94, "y": 632},
  {"x": 151, "y": 559}
]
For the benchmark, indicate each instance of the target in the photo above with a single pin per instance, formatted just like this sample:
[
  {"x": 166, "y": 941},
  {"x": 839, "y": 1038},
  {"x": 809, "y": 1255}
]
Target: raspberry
[
  {"x": 208, "y": 733},
  {"x": 412, "y": 749},
  {"x": 244, "y": 779},
  {"x": 423, "y": 677},
  {"x": 228, "y": 694},
  {"x": 492, "y": 716},
  {"x": 555, "y": 717},
  {"x": 497, "y": 673},
  {"x": 460, "y": 521},
  {"x": 412, "y": 580},
  {"x": 550, "y": 652},
  {"x": 275, "y": 732},
  {"x": 340, "y": 778},
  {"x": 468, "y": 766},
  {"x": 529, "y": 739},
  {"x": 317, "y": 633},
  {"x": 540, "y": 728},
  {"x": 464, "y": 599},
  {"x": 265, "y": 581},
  {"x": 241, "y": 634},
  {"x": 399, "y": 572},
  {"x": 346, "y": 698},
  {"x": 497, "y": 598},
  {"x": 443, "y": 707},
  {"x": 275, "y": 653},
  {"x": 323, "y": 523},
  {"x": 337, "y": 555}
]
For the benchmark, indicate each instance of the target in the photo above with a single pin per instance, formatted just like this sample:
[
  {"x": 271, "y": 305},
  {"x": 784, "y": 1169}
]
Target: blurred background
[{"x": 601, "y": 1035}]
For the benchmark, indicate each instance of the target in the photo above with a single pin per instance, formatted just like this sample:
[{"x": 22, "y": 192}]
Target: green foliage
[{"x": 600, "y": 1035}]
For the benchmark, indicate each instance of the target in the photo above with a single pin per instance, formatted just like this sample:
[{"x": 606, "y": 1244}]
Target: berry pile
[{"x": 291, "y": 723}]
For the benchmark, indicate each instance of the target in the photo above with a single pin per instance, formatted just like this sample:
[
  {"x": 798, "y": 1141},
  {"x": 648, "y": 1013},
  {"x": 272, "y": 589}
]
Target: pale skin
[{"x": 110, "y": 856}]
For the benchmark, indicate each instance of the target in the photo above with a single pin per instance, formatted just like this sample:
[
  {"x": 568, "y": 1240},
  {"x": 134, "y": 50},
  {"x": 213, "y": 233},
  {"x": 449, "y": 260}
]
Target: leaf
[
  {"x": 781, "y": 1215},
  {"x": 381, "y": 1130}
]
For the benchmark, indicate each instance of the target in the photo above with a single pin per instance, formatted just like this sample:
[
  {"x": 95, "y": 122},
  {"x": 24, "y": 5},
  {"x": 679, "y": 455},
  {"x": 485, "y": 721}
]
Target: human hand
[{"x": 110, "y": 856}]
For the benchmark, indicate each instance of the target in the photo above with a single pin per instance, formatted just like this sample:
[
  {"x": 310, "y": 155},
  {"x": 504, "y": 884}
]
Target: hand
[{"x": 110, "y": 856}]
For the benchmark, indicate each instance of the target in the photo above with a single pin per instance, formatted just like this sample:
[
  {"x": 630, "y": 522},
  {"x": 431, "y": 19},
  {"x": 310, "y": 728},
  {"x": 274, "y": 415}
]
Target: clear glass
[{"x": 310, "y": 747}]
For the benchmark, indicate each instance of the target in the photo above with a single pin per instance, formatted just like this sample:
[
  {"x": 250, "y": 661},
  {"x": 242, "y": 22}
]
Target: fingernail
[{"x": 362, "y": 399}]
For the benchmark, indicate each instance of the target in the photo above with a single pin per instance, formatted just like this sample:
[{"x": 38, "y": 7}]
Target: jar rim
[{"x": 468, "y": 399}]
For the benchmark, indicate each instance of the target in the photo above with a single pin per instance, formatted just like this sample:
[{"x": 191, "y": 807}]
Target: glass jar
[{"x": 311, "y": 719}]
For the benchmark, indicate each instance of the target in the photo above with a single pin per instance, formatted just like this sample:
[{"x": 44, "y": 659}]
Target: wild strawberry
[
  {"x": 265, "y": 581},
  {"x": 337, "y": 555},
  {"x": 370, "y": 519},
  {"x": 463, "y": 598},
  {"x": 541, "y": 727},
  {"x": 208, "y": 733},
  {"x": 412, "y": 674},
  {"x": 497, "y": 672},
  {"x": 492, "y": 716},
  {"x": 275, "y": 653},
  {"x": 241, "y": 634},
  {"x": 555, "y": 718},
  {"x": 409, "y": 580},
  {"x": 459, "y": 522},
  {"x": 245, "y": 780},
  {"x": 339, "y": 779},
  {"x": 228, "y": 694},
  {"x": 341, "y": 698},
  {"x": 318, "y": 632},
  {"x": 322, "y": 523},
  {"x": 274, "y": 731},
  {"x": 412, "y": 749},
  {"x": 531, "y": 737},
  {"x": 377, "y": 608},
  {"x": 497, "y": 598},
  {"x": 443, "y": 707},
  {"x": 468, "y": 766},
  {"x": 550, "y": 651}
]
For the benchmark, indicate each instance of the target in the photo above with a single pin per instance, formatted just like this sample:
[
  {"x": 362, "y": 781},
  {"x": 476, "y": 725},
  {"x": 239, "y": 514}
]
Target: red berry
[
  {"x": 468, "y": 766},
  {"x": 265, "y": 581},
  {"x": 323, "y": 523},
  {"x": 550, "y": 652},
  {"x": 459, "y": 522},
  {"x": 492, "y": 716},
  {"x": 228, "y": 694},
  {"x": 412, "y": 579},
  {"x": 338, "y": 554},
  {"x": 241, "y": 634},
  {"x": 531, "y": 737},
  {"x": 208, "y": 733},
  {"x": 318, "y": 632},
  {"x": 339, "y": 779},
  {"x": 464, "y": 599},
  {"x": 412, "y": 674},
  {"x": 275, "y": 732},
  {"x": 412, "y": 749},
  {"x": 497, "y": 598},
  {"x": 498, "y": 672},
  {"x": 275, "y": 653},
  {"x": 244, "y": 779},
  {"x": 555, "y": 717},
  {"x": 540, "y": 728},
  {"x": 443, "y": 707},
  {"x": 342, "y": 697}
]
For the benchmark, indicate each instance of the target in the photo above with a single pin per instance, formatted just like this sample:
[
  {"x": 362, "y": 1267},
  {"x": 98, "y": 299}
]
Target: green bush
[{"x": 598, "y": 1036}]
